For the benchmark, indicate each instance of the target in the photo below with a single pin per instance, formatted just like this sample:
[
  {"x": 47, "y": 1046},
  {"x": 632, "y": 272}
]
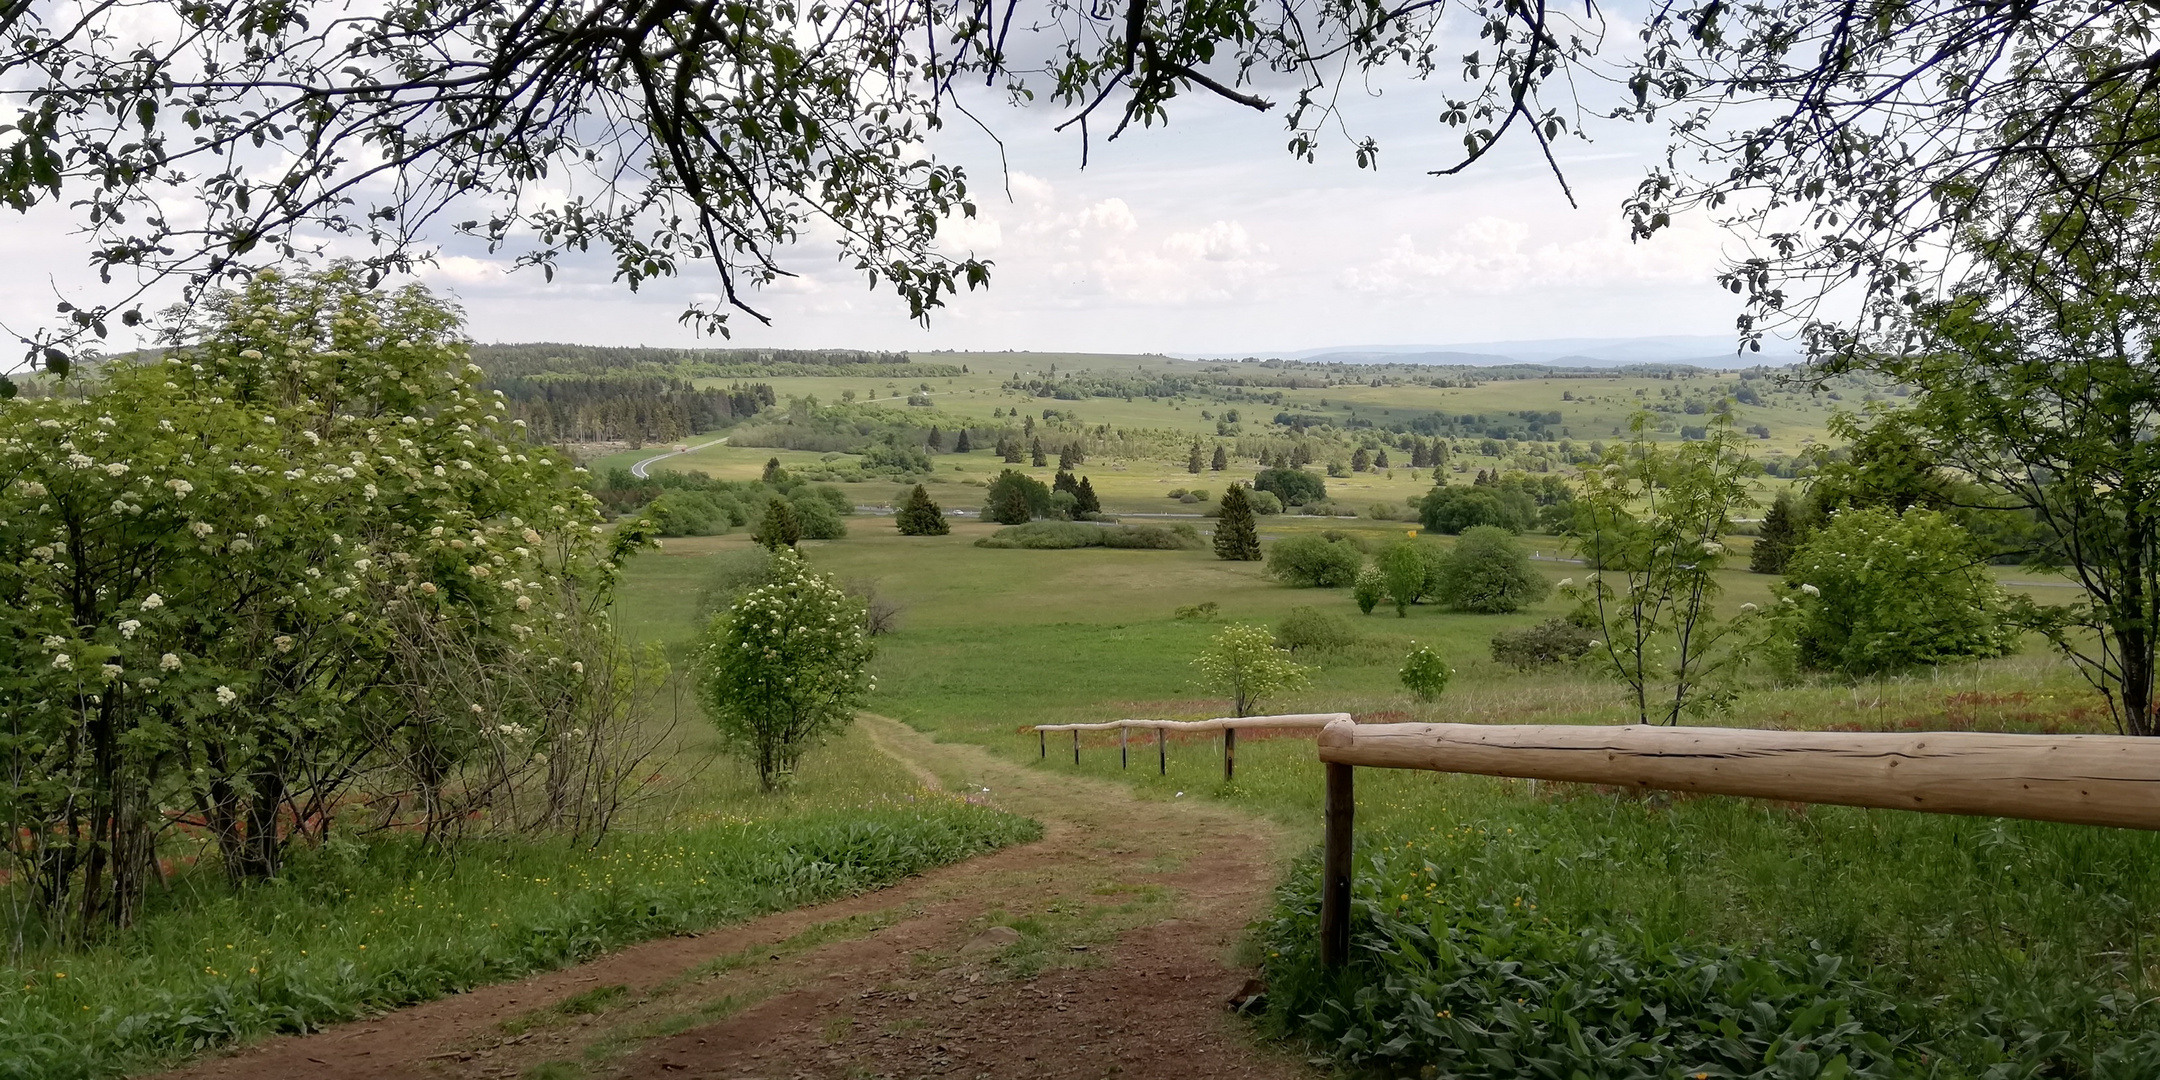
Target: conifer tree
[
  {"x": 1361, "y": 461},
  {"x": 1040, "y": 459},
  {"x": 1379, "y": 460},
  {"x": 921, "y": 517},
  {"x": 1192, "y": 460},
  {"x": 1009, "y": 449},
  {"x": 1237, "y": 538},
  {"x": 1222, "y": 458},
  {"x": 936, "y": 441},
  {"x": 1069, "y": 457},
  {"x": 1087, "y": 502},
  {"x": 1420, "y": 457},
  {"x": 1064, "y": 481},
  {"x": 781, "y": 528},
  {"x": 961, "y": 445},
  {"x": 773, "y": 472},
  {"x": 1783, "y": 529}
]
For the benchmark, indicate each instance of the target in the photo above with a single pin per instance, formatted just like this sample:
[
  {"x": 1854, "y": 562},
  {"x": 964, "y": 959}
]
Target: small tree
[
  {"x": 781, "y": 528},
  {"x": 1783, "y": 529},
  {"x": 1193, "y": 462},
  {"x": 773, "y": 474},
  {"x": 935, "y": 440},
  {"x": 1085, "y": 493},
  {"x": 1069, "y": 457},
  {"x": 1878, "y": 592},
  {"x": 1237, "y": 538},
  {"x": 1425, "y": 674},
  {"x": 1369, "y": 588},
  {"x": 1403, "y": 570},
  {"x": 1490, "y": 572},
  {"x": 1016, "y": 498},
  {"x": 1222, "y": 458},
  {"x": 1036, "y": 455},
  {"x": 784, "y": 669},
  {"x": 921, "y": 517},
  {"x": 1243, "y": 664},
  {"x": 962, "y": 444}
]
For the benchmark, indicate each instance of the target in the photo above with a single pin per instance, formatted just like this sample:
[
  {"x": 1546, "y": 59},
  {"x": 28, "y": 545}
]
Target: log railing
[
  {"x": 2109, "y": 780},
  {"x": 1228, "y": 725}
]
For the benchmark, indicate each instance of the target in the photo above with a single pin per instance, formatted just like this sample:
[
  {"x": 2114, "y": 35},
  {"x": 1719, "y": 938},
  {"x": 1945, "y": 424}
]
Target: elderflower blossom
[
  {"x": 225, "y": 695},
  {"x": 116, "y": 469},
  {"x": 283, "y": 643},
  {"x": 168, "y": 662},
  {"x": 63, "y": 662},
  {"x": 524, "y": 603},
  {"x": 152, "y": 602},
  {"x": 201, "y": 529},
  {"x": 128, "y": 628},
  {"x": 179, "y": 487},
  {"x": 1811, "y": 590}
]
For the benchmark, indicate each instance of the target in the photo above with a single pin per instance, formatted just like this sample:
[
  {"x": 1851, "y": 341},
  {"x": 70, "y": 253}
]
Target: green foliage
[
  {"x": 1015, "y": 498},
  {"x": 1877, "y": 592},
  {"x": 300, "y": 555},
  {"x": 1654, "y": 519},
  {"x": 1554, "y": 641},
  {"x": 818, "y": 510},
  {"x": 1368, "y": 588},
  {"x": 692, "y": 513},
  {"x": 1425, "y": 674},
  {"x": 1309, "y": 562},
  {"x": 919, "y": 516},
  {"x": 1489, "y": 572},
  {"x": 1295, "y": 487},
  {"x": 1784, "y": 528},
  {"x": 1204, "y": 611},
  {"x": 1062, "y": 535},
  {"x": 1309, "y": 629},
  {"x": 1237, "y": 538},
  {"x": 1403, "y": 569},
  {"x": 1455, "y": 509},
  {"x": 728, "y": 575},
  {"x": 783, "y": 670},
  {"x": 1265, "y": 502},
  {"x": 780, "y": 527},
  {"x": 1242, "y": 663}
]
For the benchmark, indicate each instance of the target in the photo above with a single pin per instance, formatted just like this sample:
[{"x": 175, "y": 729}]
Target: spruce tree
[
  {"x": 1379, "y": 460},
  {"x": 1237, "y": 538},
  {"x": 1361, "y": 461},
  {"x": 1222, "y": 458},
  {"x": 1419, "y": 457},
  {"x": 921, "y": 517},
  {"x": 1068, "y": 458},
  {"x": 781, "y": 528},
  {"x": 773, "y": 472},
  {"x": 1088, "y": 503},
  {"x": 936, "y": 441},
  {"x": 961, "y": 445},
  {"x": 1064, "y": 481},
  {"x": 1192, "y": 460},
  {"x": 1040, "y": 459},
  {"x": 1783, "y": 530}
]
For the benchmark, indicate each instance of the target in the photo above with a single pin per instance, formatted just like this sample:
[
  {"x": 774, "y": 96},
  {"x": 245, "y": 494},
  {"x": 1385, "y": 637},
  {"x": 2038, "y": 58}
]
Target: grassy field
[{"x": 2001, "y": 944}]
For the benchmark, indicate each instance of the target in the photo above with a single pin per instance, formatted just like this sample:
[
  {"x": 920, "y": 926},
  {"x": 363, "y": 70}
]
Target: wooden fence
[
  {"x": 1228, "y": 725},
  {"x": 2109, "y": 780}
]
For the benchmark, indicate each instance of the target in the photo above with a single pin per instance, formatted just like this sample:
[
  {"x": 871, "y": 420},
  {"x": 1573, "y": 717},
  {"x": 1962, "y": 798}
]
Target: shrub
[
  {"x": 1554, "y": 641},
  {"x": 1314, "y": 562},
  {"x": 1490, "y": 572},
  {"x": 1403, "y": 571},
  {"x": 1386, "y": 512},
  {"x": 779, "y": 528},
  {"x": 1204, "y": 611},
  {"x": 815, "y": 516},
  {"x": 1015, "y": 498},
  {"x": 1265, "y": 502},
  {"x": 1295, "y": 487},
  {"x": 732, "y": 573},
  {"x": 1424, "y": 673},
  {"x": 1242, "y": 663},
  {"x": 1448, "y": 509},
  {"x": 689, "y": 513},
  {"x": 1178, "y": 494},
  {"x": 1312, "y": 630},
  {"x": 1369, "y": 588},
  {"x": 784, "y": 668},
  {"x": 1879, "y": 592},
  {"x": 1064, "y": 535}
]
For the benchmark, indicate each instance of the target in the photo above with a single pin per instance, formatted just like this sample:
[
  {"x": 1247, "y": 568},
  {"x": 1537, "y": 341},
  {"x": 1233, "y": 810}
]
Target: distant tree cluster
[{"x": 626, "y": 408}]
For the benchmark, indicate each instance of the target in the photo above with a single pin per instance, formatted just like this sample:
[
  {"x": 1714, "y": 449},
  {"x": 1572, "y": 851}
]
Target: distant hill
[{"x": 1705, "y": 351}]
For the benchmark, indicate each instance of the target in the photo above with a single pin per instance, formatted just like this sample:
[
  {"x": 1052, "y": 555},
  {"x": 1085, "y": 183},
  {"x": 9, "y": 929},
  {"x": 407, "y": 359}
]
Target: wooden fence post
[
  {"x": 1122, "y": 761},
  {"x": 1335, "y": 868},
  {"x": 1076, "y": 746},
  {"x": 1162, "y": 756},
  {"x": 1229, "y": 753},
  {"x": 1042, "y": 742}
]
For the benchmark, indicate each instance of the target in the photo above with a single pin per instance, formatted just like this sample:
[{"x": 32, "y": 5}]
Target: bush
[
  {"x": 1489, "y": 572},
  {"x": 1265, "y": 502},
  {"x": 1178, "y": 494},
  {"x": 733, "y": 572},
  {"x": 690, "y": 513},
  {"x": 1447, "y": 509},
  {"x": 1554, "y": 641},
  {"x": 1295, "y": 487},
  {"x": 784, "y": 668},
  {"x": 1310, "y": 629},
  {"x": 815, "y": 515},
  {"x": 1425, "y": 674},
  {"x": 1309, "y": 562},
  {"x": 1879, "y": 592},
  {"x": 1386, "y": 512},
  {"x": 1204, "y": 611},
  {"x": 1064, "y": 535},
  {"x": 1403, "y": 569},
  {"x": 1014, "y": 498},
  {"x": 1369, "y": 588}
]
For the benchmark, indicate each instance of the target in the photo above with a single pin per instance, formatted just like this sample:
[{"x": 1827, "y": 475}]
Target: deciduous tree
[{"x": 785, "y": 668}]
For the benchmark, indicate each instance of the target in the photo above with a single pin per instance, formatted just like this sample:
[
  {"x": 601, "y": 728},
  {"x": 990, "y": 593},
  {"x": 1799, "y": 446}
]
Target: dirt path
[{"x": 1105, "y": 949}]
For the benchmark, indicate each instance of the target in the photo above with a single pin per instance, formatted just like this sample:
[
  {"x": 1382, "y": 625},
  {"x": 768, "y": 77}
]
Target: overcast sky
[{"x": 1203, "y": 237}]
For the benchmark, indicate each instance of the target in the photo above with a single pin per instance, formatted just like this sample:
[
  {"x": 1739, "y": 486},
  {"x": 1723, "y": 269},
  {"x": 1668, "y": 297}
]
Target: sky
[{"x": 1202, "y": 237}]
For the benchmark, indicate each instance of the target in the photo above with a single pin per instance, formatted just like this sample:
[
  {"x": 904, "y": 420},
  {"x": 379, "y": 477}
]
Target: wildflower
[
  {"x": 153, "y": 602},
  {"x": 1597, "y": 644},
  {"x": 225, "y": 695},
  {"x": 168, "y": 662},
  {"x": 1566, "y": 581},
  {"x": 1811, "y": 590},
  {"x": 427, "y": 588},
  {"x": 368, "y": 490},
  {"x": 1712, "y": 547},
  {"x": 524, "y": 603}
]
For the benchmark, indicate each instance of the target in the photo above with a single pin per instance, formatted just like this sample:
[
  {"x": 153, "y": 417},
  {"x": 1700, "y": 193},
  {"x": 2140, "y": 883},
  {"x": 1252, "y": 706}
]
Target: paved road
[{"x": 638, "y": 470}]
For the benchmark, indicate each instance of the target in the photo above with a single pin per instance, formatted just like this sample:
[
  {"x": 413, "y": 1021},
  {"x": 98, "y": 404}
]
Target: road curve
[{"x": 638, "y": 470}]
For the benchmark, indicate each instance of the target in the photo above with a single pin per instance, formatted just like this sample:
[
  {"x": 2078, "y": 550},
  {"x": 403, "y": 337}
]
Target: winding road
[{"x": 638, "y": 470}]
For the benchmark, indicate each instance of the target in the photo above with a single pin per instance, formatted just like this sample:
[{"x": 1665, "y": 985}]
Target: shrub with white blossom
[
  {"x": 1876, "y": 591},
  {"x": 277, "y": 562},
  {"x": 785, "y": 667}
]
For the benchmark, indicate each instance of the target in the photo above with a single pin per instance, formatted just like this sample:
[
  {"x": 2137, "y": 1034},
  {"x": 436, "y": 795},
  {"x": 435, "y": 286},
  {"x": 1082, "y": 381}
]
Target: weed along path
[{"x": 1104, "y": 949}]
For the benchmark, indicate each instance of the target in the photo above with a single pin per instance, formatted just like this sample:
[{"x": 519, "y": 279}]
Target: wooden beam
[
  {"x": 2079, "y": 779},
  {"x": 1229, "y": 754},
  {"x": 1314, "y": 721},
  {"x": 1335, "y": 867}
]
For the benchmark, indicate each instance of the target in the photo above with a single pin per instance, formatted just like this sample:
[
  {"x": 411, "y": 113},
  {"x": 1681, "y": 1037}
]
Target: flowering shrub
[
  {"x": 1242, "y": 663},
  {"x": 1875, "y": 591},
  {"x": 300, "y": 550},
  {"x": 784, "y": 668}
]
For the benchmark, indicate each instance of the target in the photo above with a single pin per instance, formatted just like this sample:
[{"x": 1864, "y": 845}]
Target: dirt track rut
[{"x": 1126, "y": 916}]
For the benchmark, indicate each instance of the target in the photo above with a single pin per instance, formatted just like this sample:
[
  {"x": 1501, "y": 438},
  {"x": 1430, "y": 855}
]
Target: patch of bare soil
[{"x": 1105, "y": 949}]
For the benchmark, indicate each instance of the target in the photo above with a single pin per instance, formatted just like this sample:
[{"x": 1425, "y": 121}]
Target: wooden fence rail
[
  {"x": 2111, "y": 780},
  {"x": 1228, "y": 725}
]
